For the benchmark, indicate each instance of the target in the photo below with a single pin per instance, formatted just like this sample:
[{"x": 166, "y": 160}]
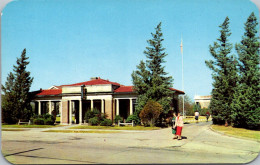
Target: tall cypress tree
[
  {"x": 16, "y": 92},
  {"x": 246, "y": 106},
  {"x": 150, "y": 80},
  {"x": 224, "y": 76}
]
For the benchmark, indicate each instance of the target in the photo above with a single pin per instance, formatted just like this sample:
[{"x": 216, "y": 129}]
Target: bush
[
  {"x": 101, "y": 116},
  {"x": 134, "y": 118},
  {"x": 150, "y": 112},
  {"x": 106, "y": 122},
  {"x": 48, "y": 121},
  {"x": 93, "y": 121},
  {"x": 118, "y": 118},
  {"x": 45, "y": 119},
  {"x": 38, "y": 121},
  {"x": 91, "y": 113}
]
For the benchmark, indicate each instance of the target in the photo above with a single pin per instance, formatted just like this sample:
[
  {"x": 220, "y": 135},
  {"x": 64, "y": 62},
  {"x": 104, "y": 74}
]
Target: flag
[{"x": 181, "y": 47}]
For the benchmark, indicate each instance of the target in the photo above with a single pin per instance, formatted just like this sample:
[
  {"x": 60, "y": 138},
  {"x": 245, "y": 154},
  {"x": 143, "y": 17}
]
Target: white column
[
  {"x": 39, "y": 107},
  {"x": 102, "y": 106},
  {"x": 80, "y": 111},
  {"x": 61, "y": 112},
  {"x": 70, "y": 112},
  {"x": 50, "y": 107},
  {"x": 117, "y": 106},
  {"x": 92, "y": 104},
  {"x": 131, "y": 106}
]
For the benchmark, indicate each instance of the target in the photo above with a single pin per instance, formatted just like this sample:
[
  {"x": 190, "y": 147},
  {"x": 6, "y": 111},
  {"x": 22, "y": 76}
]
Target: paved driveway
[{"x": 200, "y": 145}]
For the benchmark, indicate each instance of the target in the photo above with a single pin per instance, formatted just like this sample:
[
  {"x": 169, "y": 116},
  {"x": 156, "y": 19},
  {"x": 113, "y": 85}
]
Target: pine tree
[
  {"x": 16, "y": 103},
  {"x": 8, "y": 100},
  {"x": 224, "y": 76},
  {"x": 246, "y": 106},
  {"x": 150, "y": 80}
]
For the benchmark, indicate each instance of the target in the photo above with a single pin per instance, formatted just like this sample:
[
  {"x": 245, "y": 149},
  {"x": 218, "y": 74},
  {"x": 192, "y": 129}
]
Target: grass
[
  {"x": 6, "y": 129},
  {"x": 193, "y": 119},
  {"x": 115, "y": 127},
  {"x": 29, "y": 126},
  {"x": 58, "y": 118},
  {"x": 238, "y": 132},
  {"x": 79, "y": 131}
]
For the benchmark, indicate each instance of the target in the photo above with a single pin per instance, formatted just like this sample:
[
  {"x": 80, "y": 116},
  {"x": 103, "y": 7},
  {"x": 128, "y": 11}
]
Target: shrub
[
  {"x": 134, "y": 118},
  {"x": 93, "y": 121},
  {"x": 101, "y": 116},
  {"x": 45, "y": 119},
  {"x": 106, "y": 122},
  {"x": 48, "y": 121},
  {"x": 118, "y": 118},
  {"x": 38, "y": 121},
  {"x": 91, "y": 113},
  {"x": 151, "y": 112}
]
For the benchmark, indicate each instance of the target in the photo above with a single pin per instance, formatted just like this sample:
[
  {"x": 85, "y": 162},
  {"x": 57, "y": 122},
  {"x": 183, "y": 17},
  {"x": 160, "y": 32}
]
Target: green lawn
[
  {"x": 6, "y": 129},
  {"x": 115, "y": 127},
  {"x": 30, "y": 126},
  {"x": 193, "y": 119},
  {"x": 238, "y": 132}
]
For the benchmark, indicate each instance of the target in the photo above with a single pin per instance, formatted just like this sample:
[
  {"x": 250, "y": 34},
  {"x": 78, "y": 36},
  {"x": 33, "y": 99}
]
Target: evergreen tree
[
  {"x": 224, "y": 76},
  {"x": 8, "y": 100},
  {"x": 246, "y": 106},
  {"x": 16, "y": 103},
  {"x": 150, "y": 80}
]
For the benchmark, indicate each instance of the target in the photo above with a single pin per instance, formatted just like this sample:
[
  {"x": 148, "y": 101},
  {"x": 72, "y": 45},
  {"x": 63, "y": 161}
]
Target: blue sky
[{"x": 69, "y": 41}]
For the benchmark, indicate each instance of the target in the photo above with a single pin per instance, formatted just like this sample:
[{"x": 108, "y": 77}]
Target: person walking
[
  {"x": 196, "y": 116},
  {"x": 179, "y": 125},
  {"x": 207, "y": 115},
  {"x": 173, "y": 126}
]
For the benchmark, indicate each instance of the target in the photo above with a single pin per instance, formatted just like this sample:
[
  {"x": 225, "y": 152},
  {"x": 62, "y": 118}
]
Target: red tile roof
[
  {"x": 181, "y": 92},
  {"x": 130, "y": 89},
  {"x": 98, "y": 81},
  {"x": 124, "y": 89},
  {"x": 50, "y": 92}
]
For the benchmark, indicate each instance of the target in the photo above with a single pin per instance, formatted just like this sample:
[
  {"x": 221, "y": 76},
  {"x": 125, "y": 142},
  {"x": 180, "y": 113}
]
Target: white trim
[
  {"x": 70, "y": 112},
  {"x": 50, "y": 107},
  {"x": 48, "y": 100},
  {"x": 117, "y": 106},
  {"x": 92, "y": 104},
  {"x": 53, "y": 87},
  {"x": 61, "y": 113},
  {"x": 131, "y": 106},
  {"x": 126, "y": 98},
  {"x": 102, "y": 106},
  {"x": 80, "y": 111},
  {"x": 39, "y": 107}
]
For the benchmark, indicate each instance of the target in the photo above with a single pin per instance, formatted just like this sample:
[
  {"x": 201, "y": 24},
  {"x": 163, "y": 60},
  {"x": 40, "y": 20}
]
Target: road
[{"x": 199, "y": 145}]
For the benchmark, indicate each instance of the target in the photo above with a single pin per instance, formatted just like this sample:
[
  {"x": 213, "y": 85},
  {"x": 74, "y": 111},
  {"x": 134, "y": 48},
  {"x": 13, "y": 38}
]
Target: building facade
[
  {"x": 71, "y": 102},
  {"x": 204, "y": 101}
]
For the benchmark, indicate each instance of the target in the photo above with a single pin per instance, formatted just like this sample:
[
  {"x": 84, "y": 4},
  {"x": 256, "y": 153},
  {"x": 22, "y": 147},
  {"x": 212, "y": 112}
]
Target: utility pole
[{"x": 182, "y": 78}]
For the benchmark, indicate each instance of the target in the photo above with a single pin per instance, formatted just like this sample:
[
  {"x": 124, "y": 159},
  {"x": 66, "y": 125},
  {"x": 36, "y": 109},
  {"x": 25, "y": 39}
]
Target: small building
[
  {"x": 71, "y": 101},
  {"x": 203, "y": 101}
]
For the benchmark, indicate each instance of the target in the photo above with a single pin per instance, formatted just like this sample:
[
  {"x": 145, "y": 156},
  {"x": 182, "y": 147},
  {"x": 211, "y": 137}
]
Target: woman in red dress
[{"x": 179, "y": 125}]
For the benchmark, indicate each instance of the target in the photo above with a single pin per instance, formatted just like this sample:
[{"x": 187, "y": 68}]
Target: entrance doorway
[{"x": 124, "y": 108}]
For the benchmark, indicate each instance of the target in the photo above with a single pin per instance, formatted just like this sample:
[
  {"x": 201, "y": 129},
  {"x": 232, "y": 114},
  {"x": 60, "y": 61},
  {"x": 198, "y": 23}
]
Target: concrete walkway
[{"x": 199, "y": 145}]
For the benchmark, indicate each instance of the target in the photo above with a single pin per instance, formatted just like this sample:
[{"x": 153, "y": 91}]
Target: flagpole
[{"x": 182, "y": 79}]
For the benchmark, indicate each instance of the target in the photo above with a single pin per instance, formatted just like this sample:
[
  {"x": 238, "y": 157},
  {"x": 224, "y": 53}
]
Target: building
[
  {"x": 75, "y": 99},
  {"x": 204, "y": 101}
]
